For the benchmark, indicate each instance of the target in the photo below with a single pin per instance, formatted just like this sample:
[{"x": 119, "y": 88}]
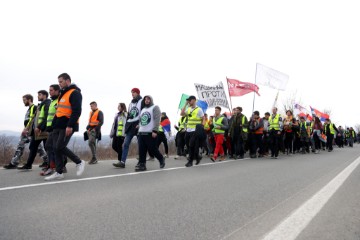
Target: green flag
[{"x": 183, "y": 101}]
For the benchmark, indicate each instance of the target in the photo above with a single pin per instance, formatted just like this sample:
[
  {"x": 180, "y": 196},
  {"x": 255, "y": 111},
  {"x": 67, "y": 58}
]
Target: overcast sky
[{"x": 164, "y": 47}]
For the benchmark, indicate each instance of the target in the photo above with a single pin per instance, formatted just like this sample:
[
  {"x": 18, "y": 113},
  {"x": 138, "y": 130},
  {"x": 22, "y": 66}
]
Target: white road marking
[
  {"x": 294, "y": 224},
  {"x": 107, "y": 176}
]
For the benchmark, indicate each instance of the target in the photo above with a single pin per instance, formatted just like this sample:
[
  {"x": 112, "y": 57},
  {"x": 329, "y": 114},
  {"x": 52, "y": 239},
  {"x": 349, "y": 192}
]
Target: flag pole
[
  {"x": 254, "y": 91},
  {"x": 276, "y": 98},
  {"x": 229, "y": 95}
]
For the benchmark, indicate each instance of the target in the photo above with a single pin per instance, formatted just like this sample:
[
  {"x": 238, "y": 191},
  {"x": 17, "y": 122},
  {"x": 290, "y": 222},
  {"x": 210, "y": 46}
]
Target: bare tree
[
  {"x": 6, "y": 149},
  {"x": 357, "y": 128},
  {"x": 289, "y": 102}
]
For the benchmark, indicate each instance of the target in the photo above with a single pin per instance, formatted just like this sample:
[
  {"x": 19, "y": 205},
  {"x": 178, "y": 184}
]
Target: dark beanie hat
[{"x": 135, "y": 90}]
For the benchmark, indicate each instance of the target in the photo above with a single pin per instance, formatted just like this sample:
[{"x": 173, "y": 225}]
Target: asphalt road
[{"x": 235, "y": 199}]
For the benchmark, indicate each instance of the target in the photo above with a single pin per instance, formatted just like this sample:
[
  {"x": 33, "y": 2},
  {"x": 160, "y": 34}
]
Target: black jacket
[{"x": 76, "y": 102}]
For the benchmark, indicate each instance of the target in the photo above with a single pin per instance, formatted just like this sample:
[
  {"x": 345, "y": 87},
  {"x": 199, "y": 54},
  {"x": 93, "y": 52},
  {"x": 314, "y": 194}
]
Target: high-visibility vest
[
  {"x": 161, "y": 128},
  {"x": 41, "y": 117},
  {"x": 51, "y": 112},
  {"x": 207, "y": 126},
  {"x": 182, "y": 123},
  {"x": 274, "y": 122},
  {"x": 259, "y": 130},
  {"x": 302, "y": 126},
  {"x": 120, "y": 128},
  {"x": 242, "y": 123},
  {"x": 64, "y": 105},
  {"x": 332, "y": 130},
  {"x": 353, "y": 133},
  {"x": 347, "y": 134},
  {"x": 93, "y": 119},
  {"x": 218, "y": 122},
  {"x": 31, "y": 115},
  {"x": 193, "y": 119}
]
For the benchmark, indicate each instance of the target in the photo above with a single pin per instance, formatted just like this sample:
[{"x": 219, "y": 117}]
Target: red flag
[{"x": 238, "y": 88}]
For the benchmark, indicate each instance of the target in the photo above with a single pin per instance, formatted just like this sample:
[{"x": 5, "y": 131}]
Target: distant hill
[{"x": 10, "y": 133}]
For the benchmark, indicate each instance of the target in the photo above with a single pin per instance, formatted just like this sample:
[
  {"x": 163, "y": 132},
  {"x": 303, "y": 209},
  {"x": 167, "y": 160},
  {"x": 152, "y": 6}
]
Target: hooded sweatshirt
[
  {"x": 76, "y": 101},
  {"x": 149, "y": 118}
]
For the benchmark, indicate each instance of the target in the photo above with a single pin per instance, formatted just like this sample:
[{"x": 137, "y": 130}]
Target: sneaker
[
  {"x": 25, "y": 167},
  {"x": 44, "y": 165},
  {"x": 119, "y": 164},
  {"x": 141, "y": 168},
  {"x": 162, "y": 164},
  {"x": 213, "y": 159},
  {"x": 47, "y": 172},
  {"x": 55, "y": 176},
  {"x": 189, "y": 164},
  {"x": 10, "y": 166},
  {"x": 93, "y": 161},
  {"x": 80, "y": 168},
  {"x": 150, "y": 159},
  {"x": 222, "y": 158},
  {"x": 166, "y": 156}
]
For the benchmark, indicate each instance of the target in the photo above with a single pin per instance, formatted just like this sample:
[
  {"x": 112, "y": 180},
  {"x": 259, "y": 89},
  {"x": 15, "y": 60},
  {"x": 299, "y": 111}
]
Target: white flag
[
  {"x": 212, "y": 95},
  {"x": 270, "y": 77}
]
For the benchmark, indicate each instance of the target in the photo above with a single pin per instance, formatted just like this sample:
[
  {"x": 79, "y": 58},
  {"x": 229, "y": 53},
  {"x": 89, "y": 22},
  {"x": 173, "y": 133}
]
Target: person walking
[
  {"x": 164, "y": 133},
  {"x": 329, "y": 130},
  {"x": 118, "y": 130},
  {"x": 180, "y": 137},
  {"x": 218, "y": 126},
  {"x": 131, "y": 126},
  {"x": 256, "y": 128},
  {"x": 316, "y": 133},
  {"x": 93, "y": 129},
  {"x": 196, "y": 120},
  {"x": 275, "y": 128},
  {"x": 37, "y": 129},
  {"x": 24, "y": 137},
  {"x": 65, "y": 123},
  {"x": 148, "y": 131},
  {"x": 238, "y": 132},
  {"x": 54, "y": 91}
]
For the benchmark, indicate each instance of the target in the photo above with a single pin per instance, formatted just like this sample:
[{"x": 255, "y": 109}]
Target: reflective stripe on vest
[
  {"x": 218, "y": 123},
  {"x": 51, "y": 113},
  {"x": 182, "y": 123},
  {"x": 41, "y": 115},
  {"x": 120, "y": 128},
  {"x": 64, "y": 105},
  {"x": 207, "y": 126},
  {"x": 93, "y": 121},
  {"x": 31, "y": 115},
  {"x": 259, "y": 130},
  {"x": 193, "y": 119},
  {"x": 242, "y": 123},
  {"x": 332, "y": 130},
  {"x": 274, "y": 122}
]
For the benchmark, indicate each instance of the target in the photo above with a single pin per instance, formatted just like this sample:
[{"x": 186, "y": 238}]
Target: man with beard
[
  {"x": 148, "y": 132},
  {"x": 37, "y": 128},
  {"x": 65, "y": 123},
  {"x": 29, "y": 116},
  {"x": 131, "y": 126}
]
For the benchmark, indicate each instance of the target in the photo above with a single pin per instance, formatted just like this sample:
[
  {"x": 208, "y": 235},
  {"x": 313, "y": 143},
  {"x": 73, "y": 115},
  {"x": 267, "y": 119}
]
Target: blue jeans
[{"x": 129, "y": 136}]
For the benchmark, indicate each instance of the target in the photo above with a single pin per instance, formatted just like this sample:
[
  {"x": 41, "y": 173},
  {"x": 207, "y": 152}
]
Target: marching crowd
[{"x": 52, "y": 123}]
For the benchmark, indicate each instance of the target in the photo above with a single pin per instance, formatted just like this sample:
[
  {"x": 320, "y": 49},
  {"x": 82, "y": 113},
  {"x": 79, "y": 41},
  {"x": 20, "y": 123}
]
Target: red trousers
[{"x": 219, "y": 140}]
